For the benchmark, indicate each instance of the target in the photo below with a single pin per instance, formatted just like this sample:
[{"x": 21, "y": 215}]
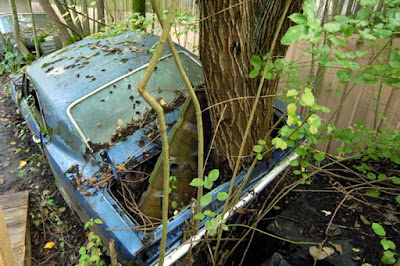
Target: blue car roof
[{"x": 78, "y": 69}]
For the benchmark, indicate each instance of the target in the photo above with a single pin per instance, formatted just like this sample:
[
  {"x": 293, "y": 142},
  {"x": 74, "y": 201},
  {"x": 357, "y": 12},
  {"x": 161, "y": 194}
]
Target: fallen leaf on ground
[
  {"x": 317, "y": 254},
  {"x": 364, "y": 220},
  {"x": 337, "y": 247},
  {"x": 22, "y": 163},
  {"x": 328, "y": 250},
  {"x": 327, "y": 213},
  {"x": 49, "y": 245}
]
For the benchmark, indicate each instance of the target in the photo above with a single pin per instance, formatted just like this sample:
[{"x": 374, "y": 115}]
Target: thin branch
[
  {"x": 141, "y": 88},
  {"x": 196, "y": 105}
]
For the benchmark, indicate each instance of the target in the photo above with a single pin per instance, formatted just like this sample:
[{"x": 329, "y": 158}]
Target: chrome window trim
[{"x": 73, "y": 121}]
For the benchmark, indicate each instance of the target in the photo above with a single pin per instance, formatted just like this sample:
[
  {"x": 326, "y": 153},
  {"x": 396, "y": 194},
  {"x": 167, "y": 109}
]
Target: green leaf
[
  {"x": 371, "y": 176},
  {"x": 98, "y": 221},
  {"x": 208, "y": 183},
  {"x": 82, "y": 251},
  {"x": 378, "y": 229},
  {"x": 291, "y": 109},
  {"x": 197, "y": 182},
  {"x": 398, "y": 199},
  {"x": 319, "y": 157},
  {"x": 388, "y": 257},
  {"x": 368, "y": 3},
  {"x": 298, "y": 18},
  {"x": 257, "y": 148},
  {"x": 338, "y": 41},
  {"x": 366, "y": 35},
  {"x": 205, "y": 200},
  {"x": 361, "y": 53},
  {"x": 174, "y": 205},
  {"x": 301, "y": 151},
  {"x": 209, "y": 213},
  {"x": 292, "y": 92},
  {"x": 325, "y": 49},
  {"x": 199, "y": 217},
  {"x": 343, "y": 76},
  {"x": 259, "y": 157},
  {"x": 382, "y": 33},
  {"x": 388, "y": 244},
  {"x": 294, "y": 163},
  {"x": 313, "y": 130},
  {"x": 261, "y": 142},
  {"x": 222, "y": 196},
  {"x": 213, "y": 175},
  {"x": 256, "y": 61},
  {"x": 308, "y": 97},
  {"x": 279, "y": 143},
  {"x": 309, "y": 9},
  {"x": 297, "y": 172},
  {"x": 396, "y": 180},
  {"x": 382, "y": 176},
  {"x": 373, "y": 193},
  {"x": 332, "y": 27},
  {"x": 254, "y": 73},
  {"x": 294, "y": 33}
]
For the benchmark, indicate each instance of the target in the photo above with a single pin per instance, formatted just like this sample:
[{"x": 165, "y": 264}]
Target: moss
[
  {"x": 60, "y": 52},
  {"x": 73, "y": 39},
  {"x": 42, "y": 37},
  {"x": 45, "y": 64}
]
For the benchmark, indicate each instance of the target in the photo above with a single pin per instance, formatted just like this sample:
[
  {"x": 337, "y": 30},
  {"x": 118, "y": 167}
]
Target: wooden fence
[{"x": 378, "y": 106}]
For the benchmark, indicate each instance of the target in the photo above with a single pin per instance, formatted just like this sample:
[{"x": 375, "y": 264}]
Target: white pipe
[{"x": 181, "y": 250}]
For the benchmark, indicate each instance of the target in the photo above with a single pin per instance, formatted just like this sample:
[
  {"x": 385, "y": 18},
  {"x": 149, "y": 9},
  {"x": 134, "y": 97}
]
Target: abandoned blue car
[{"x": 100, "y": 137}]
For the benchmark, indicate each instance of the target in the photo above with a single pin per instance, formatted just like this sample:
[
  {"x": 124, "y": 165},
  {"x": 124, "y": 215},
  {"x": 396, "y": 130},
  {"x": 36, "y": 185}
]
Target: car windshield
[{"x": 104, "y": 111}]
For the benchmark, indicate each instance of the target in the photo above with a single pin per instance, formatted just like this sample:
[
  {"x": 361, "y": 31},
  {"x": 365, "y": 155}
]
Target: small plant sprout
[{"x": 388, "y": 246}]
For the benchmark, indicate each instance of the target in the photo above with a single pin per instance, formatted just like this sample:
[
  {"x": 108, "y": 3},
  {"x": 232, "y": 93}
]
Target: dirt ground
[{"x": 23, "y": 167}]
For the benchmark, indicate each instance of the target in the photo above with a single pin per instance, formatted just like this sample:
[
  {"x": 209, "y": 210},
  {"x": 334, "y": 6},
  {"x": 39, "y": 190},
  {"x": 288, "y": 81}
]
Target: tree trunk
[
  {"x": 100, "y": 13},
  {"x": 62, "y": 8},
  {"x": 74, "y": 15},
  {"x": 57, "y": 24},
  {"x": 17, "y": 37},
  {"x": 230, "y": 33},
  {"x": 37, "y": 48},
  {"x": 139, "y": 6},
  {"x": 85, "y": 22}
]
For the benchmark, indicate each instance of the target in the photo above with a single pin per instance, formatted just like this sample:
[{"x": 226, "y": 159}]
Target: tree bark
[
  {"x": 37, "y": 47},
  {"x": 139, "y": 6},
  {"x": 100, "y": 12},
  {"x": 17, "y": 37},
  {"x": 64, "y": 11},
  {"x": 85, "y": 22},
  {"x": 57, "y": 24},
  {"x": 230, "y": 33},
  {"x": 74, "y": 15}
]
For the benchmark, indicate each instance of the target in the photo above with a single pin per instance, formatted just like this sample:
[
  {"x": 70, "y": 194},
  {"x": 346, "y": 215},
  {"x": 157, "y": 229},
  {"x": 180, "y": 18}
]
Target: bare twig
[
  {"x": 196, "y": 105},
  {"x": 141, "y": 88}
]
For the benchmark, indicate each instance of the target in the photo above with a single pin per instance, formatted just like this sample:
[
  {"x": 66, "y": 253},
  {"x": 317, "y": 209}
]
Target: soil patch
[{"x": 23, "y": 167}]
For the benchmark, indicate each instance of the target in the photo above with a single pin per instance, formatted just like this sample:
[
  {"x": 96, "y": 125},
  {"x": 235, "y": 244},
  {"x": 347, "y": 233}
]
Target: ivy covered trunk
[{"x": 230, "y": 33}]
